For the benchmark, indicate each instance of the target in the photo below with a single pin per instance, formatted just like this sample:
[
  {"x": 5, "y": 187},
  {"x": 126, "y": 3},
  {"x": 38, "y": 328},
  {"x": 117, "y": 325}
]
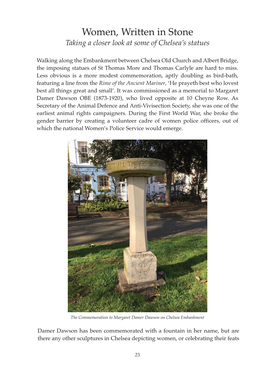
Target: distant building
[{"x": 97, "y": 179}]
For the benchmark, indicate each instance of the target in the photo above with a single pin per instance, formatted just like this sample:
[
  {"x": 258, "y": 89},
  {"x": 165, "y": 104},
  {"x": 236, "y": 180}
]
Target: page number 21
[{"x": 137, "y": 354}]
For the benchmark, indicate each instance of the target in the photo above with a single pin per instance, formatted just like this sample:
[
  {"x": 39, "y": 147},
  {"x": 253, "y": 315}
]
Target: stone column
[{"x": 138, "y": 241}]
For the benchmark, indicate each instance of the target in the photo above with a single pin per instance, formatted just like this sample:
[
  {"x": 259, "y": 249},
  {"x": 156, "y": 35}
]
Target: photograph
[
  {"x": 137, "y": 226},
  {"x": 152, "y": 112}
]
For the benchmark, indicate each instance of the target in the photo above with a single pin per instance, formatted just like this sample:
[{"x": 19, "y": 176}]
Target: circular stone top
[{"x": 135, "y": 167}]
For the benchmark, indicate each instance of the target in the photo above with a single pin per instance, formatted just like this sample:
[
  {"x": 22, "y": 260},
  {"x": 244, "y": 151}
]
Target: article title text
[{"x": 137, "y": 32}]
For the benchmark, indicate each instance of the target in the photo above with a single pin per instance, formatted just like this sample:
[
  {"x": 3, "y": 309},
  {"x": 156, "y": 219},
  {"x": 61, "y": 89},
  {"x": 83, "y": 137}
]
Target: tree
[
  {"x": 179, "y": 155},
  {"x": 86, "y": 190},
  {"x": 199, "y": 167},
  {"x": 74, "y": 181},
  {"x": 102, "y": 151}
]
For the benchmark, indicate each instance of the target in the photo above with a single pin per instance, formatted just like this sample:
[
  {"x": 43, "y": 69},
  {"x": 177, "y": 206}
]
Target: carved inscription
[
  {"x": 142, "y": 268},
  {"x": 146, "y": 165}
]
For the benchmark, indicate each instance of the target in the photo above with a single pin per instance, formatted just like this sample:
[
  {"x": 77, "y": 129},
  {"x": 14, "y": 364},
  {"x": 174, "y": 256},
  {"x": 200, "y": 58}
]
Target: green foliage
[
  {"x": 86, "y": 190},
  {"x": 104, "y": 206},
  {"x": 93, "y": 276},
  {"x": 74, "y": 183},
  {"x": 105, "y": 202},
  {"x": 103, "y": 194}
]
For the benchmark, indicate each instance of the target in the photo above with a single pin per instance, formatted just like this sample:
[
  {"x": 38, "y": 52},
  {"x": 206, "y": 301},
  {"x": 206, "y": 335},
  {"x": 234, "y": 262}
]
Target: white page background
[{"x": 34, "y": 191}]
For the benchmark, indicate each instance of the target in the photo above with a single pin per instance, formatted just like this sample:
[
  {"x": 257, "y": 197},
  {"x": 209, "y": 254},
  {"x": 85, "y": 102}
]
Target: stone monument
[{"x": 140, "y": 264}]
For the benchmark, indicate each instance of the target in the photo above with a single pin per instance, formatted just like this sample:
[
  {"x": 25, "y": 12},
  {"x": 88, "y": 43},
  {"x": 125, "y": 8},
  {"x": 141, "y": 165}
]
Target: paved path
[{"x": 102, "y": 230}]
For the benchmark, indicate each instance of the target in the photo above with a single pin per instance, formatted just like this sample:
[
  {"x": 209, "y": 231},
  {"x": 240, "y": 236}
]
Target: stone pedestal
[
  {"x": 140, "y": 264},
  {"x": 143, "y": 288}
]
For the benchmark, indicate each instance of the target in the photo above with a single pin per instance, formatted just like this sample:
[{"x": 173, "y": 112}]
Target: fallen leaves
[{"x": 202, "y": 281}]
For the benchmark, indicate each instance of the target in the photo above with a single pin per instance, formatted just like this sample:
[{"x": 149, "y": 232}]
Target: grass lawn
[{"x": 93, "y": 276}]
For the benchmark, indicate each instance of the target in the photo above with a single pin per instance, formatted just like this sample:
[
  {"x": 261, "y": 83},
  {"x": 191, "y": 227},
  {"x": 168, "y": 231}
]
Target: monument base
[
  {"x": 144, "y": 288},
  {"x": 140, "y": 266},
  {"x": 139, "y": 274}
]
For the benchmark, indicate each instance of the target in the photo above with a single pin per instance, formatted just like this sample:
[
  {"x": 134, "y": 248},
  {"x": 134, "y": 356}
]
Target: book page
[{"x": 167, "y": 71}]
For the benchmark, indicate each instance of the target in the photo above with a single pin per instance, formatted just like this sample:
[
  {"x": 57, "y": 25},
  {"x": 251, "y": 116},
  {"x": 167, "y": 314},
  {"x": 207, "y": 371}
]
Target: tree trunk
[
  {"x": 70, "y": 197},
  {"x": 168, "y": 188}
]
